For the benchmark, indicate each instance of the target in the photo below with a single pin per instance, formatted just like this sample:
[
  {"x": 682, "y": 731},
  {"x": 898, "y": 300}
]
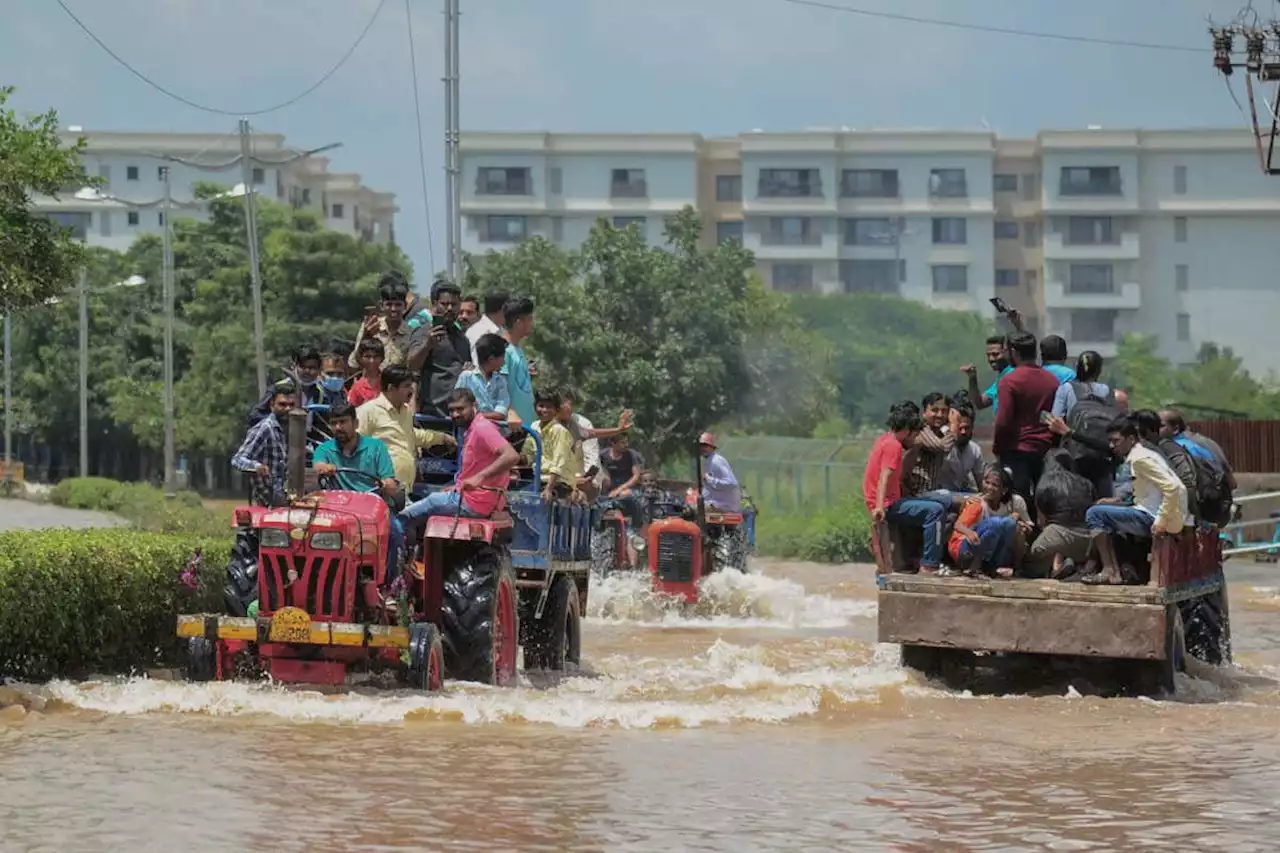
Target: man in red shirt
[
  {"x": 882, "y": 484},
  {"x": 487, "y": 460},
  {"x": 371, "y": 353},
  {"x": 1022, "y": 437}
]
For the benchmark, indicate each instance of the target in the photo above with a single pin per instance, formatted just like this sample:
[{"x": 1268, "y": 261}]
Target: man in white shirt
[
  {"x": 492, "y": 323},
  {"x": 1159, "y": 501}
]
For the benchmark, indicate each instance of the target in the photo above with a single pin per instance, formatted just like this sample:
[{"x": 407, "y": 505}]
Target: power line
[
  {"x": 175, "y": 96},
  {"x": 1008, "y": 31},
  {"x": 422, "y": 149}
]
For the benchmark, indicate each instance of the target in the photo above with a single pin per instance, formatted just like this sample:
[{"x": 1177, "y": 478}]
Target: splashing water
[{"x": 727, "y": 599}]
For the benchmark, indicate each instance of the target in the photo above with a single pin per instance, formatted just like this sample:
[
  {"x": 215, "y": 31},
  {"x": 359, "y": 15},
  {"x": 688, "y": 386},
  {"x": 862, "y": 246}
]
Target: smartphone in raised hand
[{"x": 1000, "y": 305}]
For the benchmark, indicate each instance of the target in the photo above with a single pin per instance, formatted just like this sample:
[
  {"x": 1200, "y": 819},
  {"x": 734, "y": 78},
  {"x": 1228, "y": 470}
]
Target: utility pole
[
  {"x": 84, "y": 371},
  {"x": 170, "y": 464},
  {"x": 255, "y": 274},
  {"x": 452, "y": 133},
  {"x": 8, "y": 400}
]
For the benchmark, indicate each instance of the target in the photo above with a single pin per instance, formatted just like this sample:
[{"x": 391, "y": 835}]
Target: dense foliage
[
  {"x": 98, "y": 601},
  {"x": 1214, "y": 385},
  {"x": 38, "y": 257},
  {"x": 143, "y": 506}
]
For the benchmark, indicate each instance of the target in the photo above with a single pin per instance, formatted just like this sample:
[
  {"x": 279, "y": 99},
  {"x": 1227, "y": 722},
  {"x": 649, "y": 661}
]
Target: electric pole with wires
[
  {"x": 1260, "y": 61},
  {"x": 452, "y": 134}
]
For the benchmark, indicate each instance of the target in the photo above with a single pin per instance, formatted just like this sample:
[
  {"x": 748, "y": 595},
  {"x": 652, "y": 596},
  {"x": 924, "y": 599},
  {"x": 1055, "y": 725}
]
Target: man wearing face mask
[
  {"x": 263, "y": 452},
  {"x": 439, "y": 350},
  {"x": 305, "y": 367}
]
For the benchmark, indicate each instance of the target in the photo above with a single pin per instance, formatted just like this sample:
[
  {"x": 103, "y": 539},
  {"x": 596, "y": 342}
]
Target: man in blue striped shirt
[{"x": 485, "y": 381}]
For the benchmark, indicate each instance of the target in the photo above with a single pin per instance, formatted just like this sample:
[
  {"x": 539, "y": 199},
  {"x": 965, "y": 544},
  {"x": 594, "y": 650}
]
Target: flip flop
[{"x": 1099, "y": 579}]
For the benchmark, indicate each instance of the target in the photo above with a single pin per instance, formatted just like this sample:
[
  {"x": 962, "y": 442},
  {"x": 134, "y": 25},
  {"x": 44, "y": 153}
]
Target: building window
[
  {"x": 728, "y": 188},
  {"x": 131, "y": 173},
  {"x": 948, "y": 183},
  {"x": 259, "y": 176},
  {"x": 791, "y": 231},
  {"x": 624, "y": 222},
  {"x": 1093, "y": 324},
  {"x": 1090, "y": 180},
  {"x": 1182, "y": 278},
  {"x": 1090, "y": 278},
  {"x": 1184, "y": 327},
  {"x": 1179, "y": 229},
  {"x": 868, "y": 276},
  {"x": 1005, "y": 183},
  {"x": 503, "y": 181},
  {"x": 557, "y": 229},
  {"x": 132, "y": 217},
  {"x": 792, "y": 278},
  {"x": 790, "y": 183},
  {"x": 1006, "y": 278},
  {"x": 1179, "y": 180},
  {"x": 556, "y": 180},
  {"x": 1031, "y": 234},
  {"x": 729, "y": 230},
  {"x": 337, "y": 211},
  {"x": 628, "y": 183},
  {"x": 875, "y": 231},
  {"x": 950, "y": 278},
  {"x": 160, "y": 219},
  {"x": 504, "y": 229},
  {"x": 1006, "y": 229},
  {"x": 1030, "y": 186},
  {"x": 869, "y": 183},
  {"x": 79, "y": 223},
  {"x": 950, "y": 231},
  {"x": 306, "y": 195},
  {"x": 1091, "y": 231}
]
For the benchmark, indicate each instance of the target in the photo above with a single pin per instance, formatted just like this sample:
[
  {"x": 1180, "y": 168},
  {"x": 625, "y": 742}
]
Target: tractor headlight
[
  {"x": 329, "y": 540},
  {"x": 273, "y": 537}
]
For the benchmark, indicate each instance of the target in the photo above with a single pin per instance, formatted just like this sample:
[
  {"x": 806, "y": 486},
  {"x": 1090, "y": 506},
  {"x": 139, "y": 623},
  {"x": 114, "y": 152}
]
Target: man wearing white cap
[{"x": 720, "y": 488}]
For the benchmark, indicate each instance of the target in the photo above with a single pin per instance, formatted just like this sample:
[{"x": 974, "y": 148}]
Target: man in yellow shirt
[
  {"x": 389, "y": 417},
  {"x": 559, "y": 462}
]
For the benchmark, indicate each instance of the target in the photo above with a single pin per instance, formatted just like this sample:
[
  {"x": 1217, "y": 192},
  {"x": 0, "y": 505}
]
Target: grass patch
[
  {"x": 144, "y": 506},
  {"x": 837, "y": 533}
]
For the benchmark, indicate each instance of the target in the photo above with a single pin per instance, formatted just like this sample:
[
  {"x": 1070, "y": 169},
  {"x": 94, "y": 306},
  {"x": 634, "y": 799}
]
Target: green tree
[
  {"x": 38, "y": 257},
  {"x": 683, "y": 336},
  {"x": 1215, "y": 384}
]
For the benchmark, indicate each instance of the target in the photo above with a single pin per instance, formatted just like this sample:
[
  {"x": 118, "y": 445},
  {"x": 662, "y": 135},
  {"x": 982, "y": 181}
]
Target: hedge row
[
  {"x": 145, "y": 506},
  {"x": 838, "y": 533},
  {"x": 75, "y": 602}
]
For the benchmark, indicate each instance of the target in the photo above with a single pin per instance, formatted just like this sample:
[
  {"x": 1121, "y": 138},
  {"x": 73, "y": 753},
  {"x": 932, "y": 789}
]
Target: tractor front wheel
[
  {"x": 426, "y": 657},
  {"x": 202, "y": 659},
  {"x": 478, "y": 619}
]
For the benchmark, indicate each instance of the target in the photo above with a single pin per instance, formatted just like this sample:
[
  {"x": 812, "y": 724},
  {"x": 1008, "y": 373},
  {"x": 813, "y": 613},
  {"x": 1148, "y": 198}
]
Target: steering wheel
[{"x": 373, "y": 480}]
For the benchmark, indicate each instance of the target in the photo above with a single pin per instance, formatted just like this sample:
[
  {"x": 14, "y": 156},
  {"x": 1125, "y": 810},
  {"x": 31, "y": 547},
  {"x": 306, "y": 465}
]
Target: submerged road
[{"x": 26, "y": 515}]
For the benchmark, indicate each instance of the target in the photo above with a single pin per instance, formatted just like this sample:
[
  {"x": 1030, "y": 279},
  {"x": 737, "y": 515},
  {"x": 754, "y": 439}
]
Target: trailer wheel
[
  {"x": 426, "y": 657},
  {"x": 556, "y": 638},
  {"x": 202, "y": 659},
  {"x": 1174, "y": 649},
  {"x": 1207, "y": 628},
  {"x": 478, "y": 618}
]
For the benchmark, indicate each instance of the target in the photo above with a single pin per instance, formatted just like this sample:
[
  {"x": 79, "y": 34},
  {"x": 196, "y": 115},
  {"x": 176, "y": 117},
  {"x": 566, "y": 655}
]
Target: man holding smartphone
[{"x": 439, "y": 350}]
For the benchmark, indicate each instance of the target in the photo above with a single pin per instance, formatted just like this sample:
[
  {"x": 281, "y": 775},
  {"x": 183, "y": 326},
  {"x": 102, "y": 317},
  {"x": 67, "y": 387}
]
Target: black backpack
[
  {"x": 1090, "y": 416},
  {"x": 1213, "y": 494}
]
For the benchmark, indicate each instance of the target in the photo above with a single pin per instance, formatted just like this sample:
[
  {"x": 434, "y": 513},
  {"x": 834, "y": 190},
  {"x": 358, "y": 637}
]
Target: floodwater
[{"x": 770, "y": 720}]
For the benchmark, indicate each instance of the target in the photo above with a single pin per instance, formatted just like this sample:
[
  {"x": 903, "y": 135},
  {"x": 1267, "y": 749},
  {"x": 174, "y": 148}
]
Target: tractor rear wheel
[
  {"x": 426, "y": 657},
  {"x": 202, "y": 659},
  {"x": 478, "y": 618},
  {"x": 556, "y": 638},
  {"x": 1208, "y": 628}
]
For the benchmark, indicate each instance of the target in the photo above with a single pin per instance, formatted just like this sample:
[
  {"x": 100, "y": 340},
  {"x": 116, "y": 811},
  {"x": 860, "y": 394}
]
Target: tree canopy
[
  {"x": 38, "y": 257},
  {"x": 1216, "y": 384}
]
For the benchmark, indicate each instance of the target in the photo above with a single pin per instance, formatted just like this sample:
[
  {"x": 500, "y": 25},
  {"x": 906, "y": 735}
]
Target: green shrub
[
  {"x": 74, "y": 602},
  {"x": 839, "y": 533},
  {"x": 145, "y": 506}
]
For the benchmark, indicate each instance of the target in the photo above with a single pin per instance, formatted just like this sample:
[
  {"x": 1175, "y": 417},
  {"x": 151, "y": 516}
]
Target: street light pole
[
  {"x": 84, "y": 371},
  {"x": 255, "y": 274},
  {"x": 170, "y": 456},
  {"x": 8, "y": 400}
]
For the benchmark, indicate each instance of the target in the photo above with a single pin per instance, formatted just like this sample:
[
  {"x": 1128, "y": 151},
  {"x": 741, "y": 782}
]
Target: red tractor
[{"x": 319, "y": 569}]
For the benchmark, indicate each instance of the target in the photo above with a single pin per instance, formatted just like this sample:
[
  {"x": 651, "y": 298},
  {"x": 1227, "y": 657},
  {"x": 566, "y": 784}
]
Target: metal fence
[
  {"x": 1252, "y": 446},
  {"x": 788, "y": 474}
]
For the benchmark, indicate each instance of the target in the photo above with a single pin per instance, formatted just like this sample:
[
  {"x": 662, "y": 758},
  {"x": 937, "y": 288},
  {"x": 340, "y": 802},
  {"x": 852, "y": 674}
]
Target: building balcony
[
  {"x": 815, "y": 250},
  {"x": 1126, "y": 296},
  {"x": 1126, "y": 248}
]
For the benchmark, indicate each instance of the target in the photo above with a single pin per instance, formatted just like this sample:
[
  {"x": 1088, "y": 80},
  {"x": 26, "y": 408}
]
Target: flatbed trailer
[{"x": 1182, "y": 610}]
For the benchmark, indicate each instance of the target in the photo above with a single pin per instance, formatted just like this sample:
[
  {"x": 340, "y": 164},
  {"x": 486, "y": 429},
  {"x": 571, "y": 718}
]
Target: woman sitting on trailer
[{"x": 983, "y": 537}]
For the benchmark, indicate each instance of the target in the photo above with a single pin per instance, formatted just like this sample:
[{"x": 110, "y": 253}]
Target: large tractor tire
[
  {"x": 731, "y": 550},
  {"x": 556, "y": 638},
  {"x": 202, "y": 659},
  {"x": 478, "y": 619},
  {"x": 1207, "y": 628}
]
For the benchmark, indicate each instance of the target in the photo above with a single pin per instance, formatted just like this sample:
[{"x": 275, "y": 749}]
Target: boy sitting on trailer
[{"x": 882, "y": 483}]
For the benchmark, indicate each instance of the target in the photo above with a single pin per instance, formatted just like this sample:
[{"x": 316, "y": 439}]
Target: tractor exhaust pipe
[
  {"x": 296, "y": 453},
  {"x": 697, "y": 485}
]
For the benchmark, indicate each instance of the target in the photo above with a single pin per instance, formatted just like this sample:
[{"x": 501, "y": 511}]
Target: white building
[
  {"x": 1091, "y": 233},
  {"x": 127, "y": 202}
]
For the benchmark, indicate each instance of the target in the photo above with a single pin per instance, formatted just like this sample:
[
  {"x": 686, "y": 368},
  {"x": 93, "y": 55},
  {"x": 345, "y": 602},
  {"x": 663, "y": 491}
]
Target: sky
[{"x": 716, "y": 67}]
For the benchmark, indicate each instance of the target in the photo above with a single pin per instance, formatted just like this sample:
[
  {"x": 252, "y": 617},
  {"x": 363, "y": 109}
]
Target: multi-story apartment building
[
  {"x": 1090, "y": 233},
  {"x": 130, "y": 166}
]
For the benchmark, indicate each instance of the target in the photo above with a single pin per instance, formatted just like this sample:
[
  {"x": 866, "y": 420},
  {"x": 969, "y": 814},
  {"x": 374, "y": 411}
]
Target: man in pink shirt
[{"x": 487, "y": 460}]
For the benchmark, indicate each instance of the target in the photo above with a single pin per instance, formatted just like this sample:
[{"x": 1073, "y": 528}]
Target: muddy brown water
[{"x": 770, "y": 720}]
